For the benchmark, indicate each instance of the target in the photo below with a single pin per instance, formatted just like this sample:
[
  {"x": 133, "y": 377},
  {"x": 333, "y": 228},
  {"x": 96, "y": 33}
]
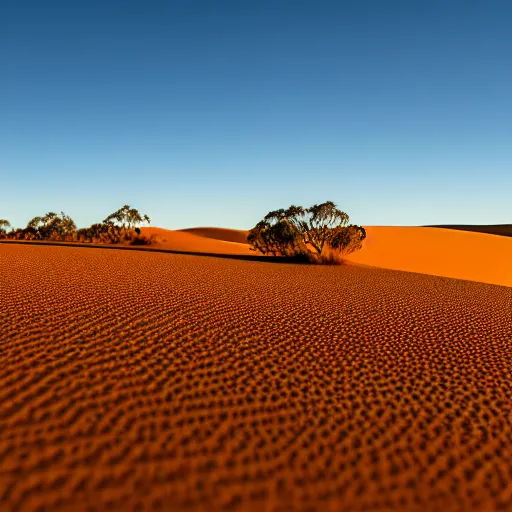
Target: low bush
[
  {"x": 319, "y": 234},
  {"x": 117, "y": 228}
]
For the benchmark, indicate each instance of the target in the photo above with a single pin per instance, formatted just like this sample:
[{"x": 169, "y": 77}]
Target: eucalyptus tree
[
  {"x": 52, "y": 225},
  {"x": 126, "y": 218},
  {"x": 67, "y": 225},
  {"x": 4, "y": 223},
  {"x": 306, "y": 231}
]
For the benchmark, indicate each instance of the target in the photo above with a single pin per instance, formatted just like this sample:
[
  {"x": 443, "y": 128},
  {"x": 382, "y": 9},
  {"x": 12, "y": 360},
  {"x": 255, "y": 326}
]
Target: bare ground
[{"x": 148, "y": 381}]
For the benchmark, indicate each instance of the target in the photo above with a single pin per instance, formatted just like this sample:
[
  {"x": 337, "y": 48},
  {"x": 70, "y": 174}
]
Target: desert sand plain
[{"x": 138, "y": 380}]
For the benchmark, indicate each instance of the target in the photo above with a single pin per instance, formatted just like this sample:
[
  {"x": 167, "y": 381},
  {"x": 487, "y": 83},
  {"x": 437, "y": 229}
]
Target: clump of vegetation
[
  {"x": 118, "y": 228},
  {"x": 319, "y": 234},
  {"x": 52, "y": 227},
  {"x": 4, "y": 223}
]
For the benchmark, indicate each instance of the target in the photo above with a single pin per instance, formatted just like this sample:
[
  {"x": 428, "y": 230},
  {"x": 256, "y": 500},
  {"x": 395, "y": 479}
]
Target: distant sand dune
[
  {"x": 457, "y": 254},
  {"x": 228, "y": 235},
  {"x": 491, "y": 229},
  {"x": 187, "y": 240},
  {"x": 437, "y": 251}
]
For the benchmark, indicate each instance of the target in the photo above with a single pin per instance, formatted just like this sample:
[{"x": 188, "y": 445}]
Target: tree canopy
[
  {"x": 52, "y": 224},
  {"x": 306, "y": 231},
  {"x": 4, "y": 223},
  {"x": 116, "y": 228},
  {"x": 126, "y": 217}
]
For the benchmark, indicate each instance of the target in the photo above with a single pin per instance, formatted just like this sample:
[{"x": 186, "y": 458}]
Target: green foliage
[
  {"x": 279, "y": 238},
  {"x": 126, "y": 218},
  {"x": 348, "y": 240},
  {"x": 4, "y": 223},
  {"x": 22, "y": 234},
  {"x": 311, "y": 232},
  {"x": 117, "y": 228},
  {"x": 52, "y": 226}
]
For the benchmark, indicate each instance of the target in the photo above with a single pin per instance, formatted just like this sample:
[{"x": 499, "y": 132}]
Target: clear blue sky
[{"x": 212, "y": 113}]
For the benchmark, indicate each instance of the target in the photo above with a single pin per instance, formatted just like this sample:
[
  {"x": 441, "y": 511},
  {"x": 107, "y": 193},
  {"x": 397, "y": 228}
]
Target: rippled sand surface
[{"x": 133, "y": 380}]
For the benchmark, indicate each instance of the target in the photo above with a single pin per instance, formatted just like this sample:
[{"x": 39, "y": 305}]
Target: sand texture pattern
[{"x": 132, "y": 380}]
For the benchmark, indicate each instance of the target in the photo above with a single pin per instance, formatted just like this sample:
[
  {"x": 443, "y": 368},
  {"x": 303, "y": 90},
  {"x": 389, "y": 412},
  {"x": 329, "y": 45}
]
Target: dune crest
[
  {"x": 226, "y": 234},
  {"x": 188, "y": 241},
  {"x": 491, "y": 229}
]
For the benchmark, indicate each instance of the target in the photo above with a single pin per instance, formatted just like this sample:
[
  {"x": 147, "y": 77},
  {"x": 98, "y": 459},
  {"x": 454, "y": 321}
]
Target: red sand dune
[
  {"x": 189, "y": 241},
  {"x": 438, "y": 251},
  {"x": 458, "y": 254},
  {"x": 493, "y": 229},
  {"x": 226, "y": 234},
  {"x": 132, "y": 380}
]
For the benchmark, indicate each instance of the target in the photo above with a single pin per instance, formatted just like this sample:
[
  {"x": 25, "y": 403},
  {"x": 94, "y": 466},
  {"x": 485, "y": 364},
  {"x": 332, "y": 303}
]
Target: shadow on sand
[{"x": 302, "y": 260}]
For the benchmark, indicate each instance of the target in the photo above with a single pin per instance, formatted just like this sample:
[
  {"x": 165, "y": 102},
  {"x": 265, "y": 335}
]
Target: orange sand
[
  {"x": 133, "y": 380},
  {"x": 228, "y": 235},
  {"x": 191, "y": 242},
  {"x": 455, "y": 253},
  {"x": 438, "y": 251},
  {"x": 493, "y": 229}
]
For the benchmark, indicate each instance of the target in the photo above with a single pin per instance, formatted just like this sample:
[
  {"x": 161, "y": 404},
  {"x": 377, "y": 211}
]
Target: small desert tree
[
  {"x": 4, "y": 223},
  {"x": 320, "y": 233},
  {"x": 276, "y": 235},
  {"x": 125, "y": 219},
  {"x": 348, "y": 240},
  {"x": 103, "y": 232},
  {"x": 67, "y": 225},
  {"x": 52, "y": 226},
  {"x": 116, "y": 228},
  {"x": 83, "y": 235}
]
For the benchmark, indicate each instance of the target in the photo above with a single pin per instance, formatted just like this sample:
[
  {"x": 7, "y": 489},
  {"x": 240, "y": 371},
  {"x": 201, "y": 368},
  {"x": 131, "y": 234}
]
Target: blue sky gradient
[{"x": 204, "y": 113}]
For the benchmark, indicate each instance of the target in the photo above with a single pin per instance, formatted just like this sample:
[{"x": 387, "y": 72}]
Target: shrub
[
  {"x": 144, "y": 240},
  {"x": 126, "y": 218},
  {"x": 319, "y": 234},
  {"x": 4, "y": 223},
  {"x": 52, "y": 226},
  {"x": 83, "y": 235},
  {"x": 117, "y": 228}
]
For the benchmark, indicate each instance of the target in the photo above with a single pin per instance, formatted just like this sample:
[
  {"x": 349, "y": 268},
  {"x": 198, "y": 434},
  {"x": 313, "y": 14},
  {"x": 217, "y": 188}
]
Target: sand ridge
[
  {"x": 491, "y": 229},
  {"x": 228, "y": 235},
  {"x": 181, "y": 240},
  {"x": 147, "y": 381}
]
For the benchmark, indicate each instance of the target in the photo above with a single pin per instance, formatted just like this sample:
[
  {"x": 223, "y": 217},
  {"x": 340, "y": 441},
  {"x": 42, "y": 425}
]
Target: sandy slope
[
  {"x": 443, "y": 252},
  {"x": 226, "y": 234},
  {"x": 194, "y": 242},
  {"x": 150, "y": 381},
  {"x": 438, "y": 251},
  {"x": 493, "y": 229}
]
